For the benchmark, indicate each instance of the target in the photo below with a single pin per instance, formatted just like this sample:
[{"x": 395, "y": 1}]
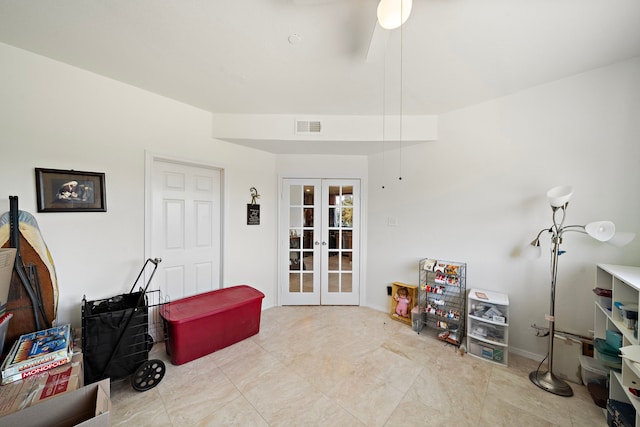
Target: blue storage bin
[{"x": 614, "y": 339}]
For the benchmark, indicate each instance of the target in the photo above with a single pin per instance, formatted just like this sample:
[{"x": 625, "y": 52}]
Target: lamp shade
[
  {"x": 622, "y": 238},
  {"x": 559, "y": 196},
  {"x": 600, "y": 230},
  {"x": 393, "y": 13},
  {"x": 532, "y": 251}
]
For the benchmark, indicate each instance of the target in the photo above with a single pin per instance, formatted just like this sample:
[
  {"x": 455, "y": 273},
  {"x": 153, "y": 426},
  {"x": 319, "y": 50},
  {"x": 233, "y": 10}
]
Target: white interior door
[
  {"x": 185, "y": 230},
  {"x": 320, "y": 242}
]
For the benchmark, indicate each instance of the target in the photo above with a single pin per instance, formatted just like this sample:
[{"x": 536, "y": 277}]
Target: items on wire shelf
[{"x": 441, "y": 299}]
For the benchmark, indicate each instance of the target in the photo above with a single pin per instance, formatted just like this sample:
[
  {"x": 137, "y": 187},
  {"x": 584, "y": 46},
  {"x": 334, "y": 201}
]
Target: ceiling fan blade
[
  {"x": 378, "y": 43},
  {"x": 312, "y": 2}
]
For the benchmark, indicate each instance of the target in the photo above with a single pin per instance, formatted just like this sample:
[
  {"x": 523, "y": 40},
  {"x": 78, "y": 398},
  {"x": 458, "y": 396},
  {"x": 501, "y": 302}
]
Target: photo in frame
[{"x": 70, "y": 191}]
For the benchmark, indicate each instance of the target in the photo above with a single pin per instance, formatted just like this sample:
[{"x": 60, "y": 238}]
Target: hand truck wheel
[{"x": 148, "y": 375}]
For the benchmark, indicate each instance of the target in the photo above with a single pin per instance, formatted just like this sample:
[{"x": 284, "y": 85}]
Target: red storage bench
[{"x": 204, "y": 323}]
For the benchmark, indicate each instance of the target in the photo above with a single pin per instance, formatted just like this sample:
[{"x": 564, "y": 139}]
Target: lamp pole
[
  {"x": 547, "y": 380},
  {"x": 557, "y": 240}
]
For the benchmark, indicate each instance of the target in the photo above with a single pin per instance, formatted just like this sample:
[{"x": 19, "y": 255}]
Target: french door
[{"x": 320, "y": 239}]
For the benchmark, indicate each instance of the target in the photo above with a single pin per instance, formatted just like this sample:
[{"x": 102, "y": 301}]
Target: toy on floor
[{"x": 403, "y": 300}]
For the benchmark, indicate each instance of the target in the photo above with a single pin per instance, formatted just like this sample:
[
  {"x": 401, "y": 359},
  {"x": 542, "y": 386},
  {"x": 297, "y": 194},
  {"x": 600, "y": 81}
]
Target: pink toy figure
[{"x": 403, "y": 299}]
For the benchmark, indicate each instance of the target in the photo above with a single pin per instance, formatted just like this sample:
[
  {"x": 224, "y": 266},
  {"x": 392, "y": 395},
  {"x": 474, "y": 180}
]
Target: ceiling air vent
[{"x": 307, "y": 127}]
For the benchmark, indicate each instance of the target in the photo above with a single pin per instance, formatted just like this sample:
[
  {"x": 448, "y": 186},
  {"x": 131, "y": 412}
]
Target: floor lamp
[{"x": 599, "y": 230}]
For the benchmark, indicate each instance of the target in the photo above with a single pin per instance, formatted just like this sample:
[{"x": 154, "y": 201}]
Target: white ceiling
[{"x": 234, "y": 57}]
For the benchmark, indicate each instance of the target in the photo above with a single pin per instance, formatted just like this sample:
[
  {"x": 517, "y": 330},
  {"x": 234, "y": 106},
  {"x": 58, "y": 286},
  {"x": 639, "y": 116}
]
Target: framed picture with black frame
[{"x": 60, "y": 190}]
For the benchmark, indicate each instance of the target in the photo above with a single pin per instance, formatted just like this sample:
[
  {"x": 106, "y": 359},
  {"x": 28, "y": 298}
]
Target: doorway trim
[{"x": 150, "y": 158}]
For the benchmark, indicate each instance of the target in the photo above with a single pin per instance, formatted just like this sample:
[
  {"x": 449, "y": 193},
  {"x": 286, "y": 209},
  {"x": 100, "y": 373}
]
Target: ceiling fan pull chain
[{"x": 401, "y": 90}]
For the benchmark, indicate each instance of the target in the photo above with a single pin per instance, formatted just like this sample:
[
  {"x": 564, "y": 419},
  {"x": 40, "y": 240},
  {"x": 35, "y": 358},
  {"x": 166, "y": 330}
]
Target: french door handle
[
  {"x": 324, "y": 243},
  {"x": 316, "y": 243}
]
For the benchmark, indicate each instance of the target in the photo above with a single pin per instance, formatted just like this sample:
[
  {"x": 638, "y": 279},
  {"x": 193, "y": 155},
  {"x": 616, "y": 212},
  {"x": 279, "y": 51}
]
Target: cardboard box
[
  {"x": 89, "y": 406},
  {"x": 4, "y": 327},
  {"x": 30, "y": 391},
  {"x": 7, "y": 261}
]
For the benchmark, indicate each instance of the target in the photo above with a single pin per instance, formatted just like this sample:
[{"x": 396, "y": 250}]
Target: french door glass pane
[
  {"x": 307, "y": 259},
  {"x": 308, "y": 217},
  {"x": 333, "y": 216},
  {"x": 295, "y": 195},
  {"x": 334, "y": 282},
  {"x": 294, "y": 260},
  {"x": 309, "y": 195},
  {"x": 346, "y": 262},
  {"x": 334, "y": 239},
  {"x": 307, "y": 282},
  {"x": 294, "y": 282},
  {"x": 307, "y": 242},
  {"x": 295, "y": 217},
  {"x": 345, "y": 283},
  {"x": 346, "y": 215}
]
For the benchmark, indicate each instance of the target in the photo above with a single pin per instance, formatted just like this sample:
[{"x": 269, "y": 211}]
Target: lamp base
[{"x": 549, "y": 382}]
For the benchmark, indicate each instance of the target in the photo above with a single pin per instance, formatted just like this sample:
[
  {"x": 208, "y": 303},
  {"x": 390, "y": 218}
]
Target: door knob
[
  {"x": 316, "y": 243},
  {"x": 324, "y": 243}
]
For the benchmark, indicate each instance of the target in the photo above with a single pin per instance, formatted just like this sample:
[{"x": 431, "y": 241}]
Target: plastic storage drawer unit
[{"x": 204, "y": 323}]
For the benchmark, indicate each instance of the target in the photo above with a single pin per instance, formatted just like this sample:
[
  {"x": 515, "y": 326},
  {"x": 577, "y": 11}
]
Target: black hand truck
[{"x": 115, "y": 337}]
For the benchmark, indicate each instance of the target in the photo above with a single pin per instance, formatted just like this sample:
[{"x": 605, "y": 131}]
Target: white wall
[
  {"x": 321, "y": 166},
  {"x": 56, "y": 116},
  {"x": 478, "y": 195}
]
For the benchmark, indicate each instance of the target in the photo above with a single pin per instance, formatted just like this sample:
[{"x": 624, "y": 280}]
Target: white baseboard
[
  {"x": 377, "y": 308},
  {"x": 527, "y": 354}
]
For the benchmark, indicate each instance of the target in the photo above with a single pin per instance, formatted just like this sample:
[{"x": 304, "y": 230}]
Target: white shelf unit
[
  {"x": 487, "y": 326},
  {"x": 624, "y": 282}
]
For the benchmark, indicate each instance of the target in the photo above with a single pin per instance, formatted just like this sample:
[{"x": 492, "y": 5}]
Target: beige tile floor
[{"x": 345, "y": 366}]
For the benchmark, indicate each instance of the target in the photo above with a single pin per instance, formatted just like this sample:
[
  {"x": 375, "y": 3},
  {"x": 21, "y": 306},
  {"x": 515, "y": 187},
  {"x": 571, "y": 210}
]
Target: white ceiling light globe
[{"x": 393, "y": 13}]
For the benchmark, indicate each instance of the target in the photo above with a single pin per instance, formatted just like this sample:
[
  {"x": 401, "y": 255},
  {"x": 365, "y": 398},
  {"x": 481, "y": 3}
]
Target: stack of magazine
[{"x": 37, "y": 352}]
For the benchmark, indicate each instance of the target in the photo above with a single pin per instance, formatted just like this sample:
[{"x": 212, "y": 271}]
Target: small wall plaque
[{"x": 253, "y": 214}]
